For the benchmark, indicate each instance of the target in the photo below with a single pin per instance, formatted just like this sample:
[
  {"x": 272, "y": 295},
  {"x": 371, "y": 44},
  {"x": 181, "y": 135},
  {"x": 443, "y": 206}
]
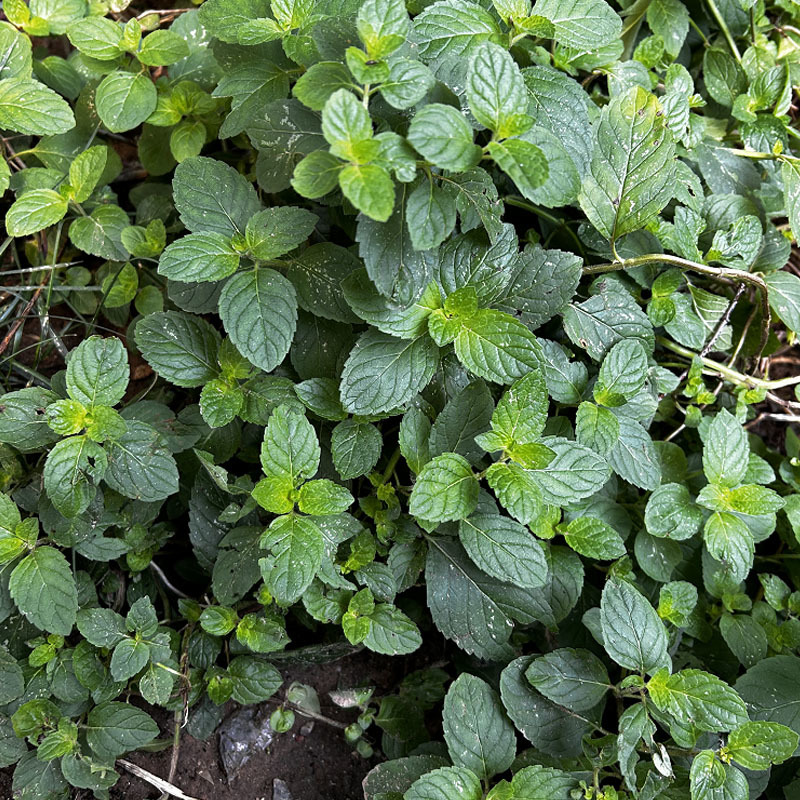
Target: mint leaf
[
  {"x": 576, "y": 679},
  {"x": 97, "y": 372},
  {"x": 296, "y": 548},
  {"x": 446, "y": 489}
]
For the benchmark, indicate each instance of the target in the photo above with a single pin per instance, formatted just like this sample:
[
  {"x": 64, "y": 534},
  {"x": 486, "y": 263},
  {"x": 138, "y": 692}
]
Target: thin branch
[{"x": 154, "y": 780}]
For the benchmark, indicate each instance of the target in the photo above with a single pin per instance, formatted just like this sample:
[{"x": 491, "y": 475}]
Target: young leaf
[
  {"x": 296, "y": 546},
  {"x": 446, "y": 489}
]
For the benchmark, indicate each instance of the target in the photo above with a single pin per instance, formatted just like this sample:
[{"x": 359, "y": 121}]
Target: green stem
[
  {"x": 712, "y": 6},
  {"x": 734, "y": 376},
  {"x": 726, "y": 273},
  {"x": 395, "y": 457}
]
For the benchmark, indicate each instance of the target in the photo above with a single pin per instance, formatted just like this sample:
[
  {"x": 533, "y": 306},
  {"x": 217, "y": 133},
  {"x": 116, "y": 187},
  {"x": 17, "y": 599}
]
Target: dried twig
[{"x": 154, "y": 780}]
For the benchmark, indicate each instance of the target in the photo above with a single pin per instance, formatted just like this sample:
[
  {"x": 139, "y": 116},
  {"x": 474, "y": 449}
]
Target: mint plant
[{"x": 405, "y": 326}]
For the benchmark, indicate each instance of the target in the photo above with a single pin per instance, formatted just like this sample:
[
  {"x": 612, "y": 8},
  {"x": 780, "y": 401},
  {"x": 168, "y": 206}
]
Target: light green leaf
[
  {"x": 725, "y": 450},
  {"x": 369, "y": 188},
  {"x": 581, "y": 24},
  {"x": 274, "y": 232},
  {"x": 129, "y": 657},
  {"x": 594, "y": 538},
  {"x": 633, "y": 634},
  {"x": 382, "y": 26},
  {"x": 496, "y": 92},
  {"x": 296, "y": 547},
  {"x": 29, "y": 107},
  {"x": 757, "y": 745},
  {"x": 574, "y": 474},
  {"x": 125, "y": 100},
  {"x": 671, "y": 514},
  {"x": 86, "y": 171},
  {"x": 259, "y": 311},
  {"x": 446, "y": 489},
  {"x": 632, "y": 174},
  {"x": 383, "y": 372},
  {"x": 521, "y": 412},
  {"x": 35, "y": 210},
  {"x": 596, "y": 427},
  {"x": 479, "y": 736},
  {"x": 96, "y": 37},
  {"x": 199, "y": 257},
  {"x": 698, "y": 698},
  {"x": 97, "y": 372},
  {"x": 496, "y": 346},
  {"x": 576, "y": 679},
  {"x": 290, "y": 448},
  {"x": 442, "y": 135},
  {"x": 523, "y": 162},
  {"x": 409, "y": 81},
  {"x": 516, "y": 490},
  {"x": 504, "y": 549},
  {"x": 161, "y": 48},
  {"x": 322, "y": 497},
  {"x": 730, "y": 541},
  {"x": 100, "y": 234},
  {"x": 44, "y": 589}
]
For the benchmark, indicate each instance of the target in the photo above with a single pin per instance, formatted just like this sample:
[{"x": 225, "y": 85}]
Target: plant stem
[
  {"x": 727, "y": 273},
  {"x": 720, "y": 20}
]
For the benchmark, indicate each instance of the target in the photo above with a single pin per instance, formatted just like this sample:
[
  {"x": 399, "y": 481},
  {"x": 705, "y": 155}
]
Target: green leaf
[
  {"x": 97, "y": 372},
  {"x": 391, "y": 632},
  {"x": 729, "y": 540},
  {"x": 86, "y": 171},
  {"x": 633, "y": 634},
  {"x": 523, "y": 162},
  {"x": 622, "y": 373},
  {"x": 574, "y": 474},
  {"x": 259, "y": 311},
  {"x": 23, "y": 423},
  {"x": 581, "y": 24},
  {"x": 254, "y": 680},
  {"x": 115, "y": 728},
  {"x": 125, "y": 100},
  {"x": 100, "y": 234},
  {"x": 323, "y": 497},
  {"x": 446, "y": 783},
  {"x": 182, "y": 348},
  {"x": 496, "y": 92},
  {"x": 296, "y": 546},
  {"x": 597, "y": 427},
  {"x": 199, "y": 257},
  {"x": 698, "y": 698},
  {"x": 275, "y": 231},
  {"x": 725, "y": 450},
  {"x": 504, "y": 549},
  {"x": 521, "y": 412},
  {"x": 784, "y": 297},
  {"x": 746, "y": 639},
  {"x": 790, "y": 173},
  {"x": 369, "y": 188},
  {"x": 542, "y": 783},
  {"x": 594, "y": 538},
  {"x": 757, "y": 745},
  {"x": 290, "y": 448},
  {"x": 130, "y": 657},
  {"x": 383, "y": 372},
  {"x": 140, "y": 466},
  {"x": 43, "y": 587},
  {"x": 409, "y": 81},
  {"x": 575, "y": 679},
  {"x": 669, "y": 19},
  {"x": 496, "y": 346},
  {"x": 29, "y": 107},
  {"x": 446, "y": 489},
  {"x": 161, "y": 48},
  {"x": 68, "y": 472},
  {"x": 96, "y": 37},
  {"x": 632, "y": 174},
  {"x": 671, "y": 514},
  {"x": 382, "y": 26},
  {"x": 430, "y": 215},
  {"x": 442, "y": 136},
  {"x": 479, "y": 736},
  {"x": 451, "y": 28},
  {"x": 516, "y": 490},
  {"x": 319, "y": 82},
  {"x": 772, "y": 691},
  {"x": 101, "y": 627},
  {"x": 34, "y": 211},
  {"x": 355, "y": 448},
  {"x": 345, "y": 124},
  {"x": 212, "y": 197},
  {"x": 634, "y": 457}
]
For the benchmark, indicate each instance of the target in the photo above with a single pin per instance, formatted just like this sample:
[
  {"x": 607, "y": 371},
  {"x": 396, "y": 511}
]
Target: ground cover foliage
[{"x": 369, "y": 323}]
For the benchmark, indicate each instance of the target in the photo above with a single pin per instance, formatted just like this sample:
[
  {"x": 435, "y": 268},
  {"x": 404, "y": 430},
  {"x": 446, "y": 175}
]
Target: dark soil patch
[{"x": 319, "y": 766}]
